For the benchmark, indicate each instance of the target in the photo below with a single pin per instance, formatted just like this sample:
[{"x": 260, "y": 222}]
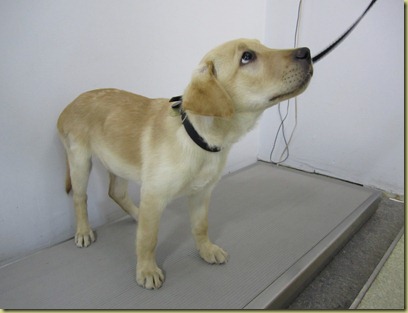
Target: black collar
[{"x": 190, "y": 128}]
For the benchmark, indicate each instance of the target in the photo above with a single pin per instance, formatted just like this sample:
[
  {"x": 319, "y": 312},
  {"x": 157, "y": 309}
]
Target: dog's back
[
  {"x": 93, "y": 112},
  {"x": 114, "y": 120}
]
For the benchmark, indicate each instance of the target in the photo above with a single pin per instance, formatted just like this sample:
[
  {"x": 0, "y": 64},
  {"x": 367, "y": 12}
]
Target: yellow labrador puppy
[{"x": 175, "y": 148}]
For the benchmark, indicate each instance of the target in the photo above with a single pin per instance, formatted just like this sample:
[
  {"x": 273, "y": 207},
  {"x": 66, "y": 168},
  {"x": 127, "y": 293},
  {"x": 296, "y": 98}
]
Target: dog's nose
[{"x": 302, "y": 54}]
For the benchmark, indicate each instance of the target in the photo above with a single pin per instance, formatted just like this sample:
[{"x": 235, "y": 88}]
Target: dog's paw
[
  {"x": 150, "y": 278},
  {"x": 84, "y": 238},
  {"x": 213, "y": 254}
]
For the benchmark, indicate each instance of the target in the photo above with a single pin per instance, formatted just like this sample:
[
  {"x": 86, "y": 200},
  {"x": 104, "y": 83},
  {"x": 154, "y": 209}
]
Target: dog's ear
[{"x": 205, "y": 96}]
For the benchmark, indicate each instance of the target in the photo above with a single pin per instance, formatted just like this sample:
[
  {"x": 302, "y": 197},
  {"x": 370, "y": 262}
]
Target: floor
[
  {"x": 387, "y": 291},
  {"x": 280, "y": 227}
]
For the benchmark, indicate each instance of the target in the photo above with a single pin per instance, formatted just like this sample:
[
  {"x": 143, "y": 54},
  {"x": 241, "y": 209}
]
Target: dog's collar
[{"x": 178, "y": 101}]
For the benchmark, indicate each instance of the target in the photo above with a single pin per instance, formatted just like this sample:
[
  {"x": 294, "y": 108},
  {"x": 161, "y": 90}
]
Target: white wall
[
  {"x": 351, "y": 118},
  {"x": 53, "y": 50}
]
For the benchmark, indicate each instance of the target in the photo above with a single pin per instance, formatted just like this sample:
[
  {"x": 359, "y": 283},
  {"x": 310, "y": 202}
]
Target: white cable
[{"x": 282, "y": 126}]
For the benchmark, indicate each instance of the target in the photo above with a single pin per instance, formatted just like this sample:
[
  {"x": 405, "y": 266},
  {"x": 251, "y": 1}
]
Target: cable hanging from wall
[
  {"x": 282, "y": 118},
  {"x": 314, "y": 60}
]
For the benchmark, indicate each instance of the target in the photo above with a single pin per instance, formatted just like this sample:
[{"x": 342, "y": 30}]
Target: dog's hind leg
[
  {"x": 118, "y": 191},
  {"x": 80, "y": 166}
]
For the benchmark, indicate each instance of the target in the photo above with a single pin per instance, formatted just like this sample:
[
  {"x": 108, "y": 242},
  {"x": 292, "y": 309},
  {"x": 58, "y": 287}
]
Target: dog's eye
[{"x": 247, "y": 57}]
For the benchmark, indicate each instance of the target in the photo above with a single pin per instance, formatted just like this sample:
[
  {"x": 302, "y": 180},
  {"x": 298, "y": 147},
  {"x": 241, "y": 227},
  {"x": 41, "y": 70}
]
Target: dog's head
[{"x": 243, "y": 75}]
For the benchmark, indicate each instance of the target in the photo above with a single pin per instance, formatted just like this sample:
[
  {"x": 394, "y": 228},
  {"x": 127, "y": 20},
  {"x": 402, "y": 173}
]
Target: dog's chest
[
  {"x": 204, "y": 177},
  {"x": 205, "y": 174}
]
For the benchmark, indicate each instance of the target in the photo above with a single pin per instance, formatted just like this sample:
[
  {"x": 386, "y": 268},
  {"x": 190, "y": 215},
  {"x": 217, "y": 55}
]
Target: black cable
[{"x": 341, "y": 38}]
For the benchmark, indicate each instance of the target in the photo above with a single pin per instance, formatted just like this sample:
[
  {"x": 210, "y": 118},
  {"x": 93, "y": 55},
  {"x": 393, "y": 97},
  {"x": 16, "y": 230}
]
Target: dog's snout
[{"x": 302, "y": 54}]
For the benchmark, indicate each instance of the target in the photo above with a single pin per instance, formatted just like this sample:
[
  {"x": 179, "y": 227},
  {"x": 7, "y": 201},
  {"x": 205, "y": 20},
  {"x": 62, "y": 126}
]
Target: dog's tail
[{"x": 68, "y": 185}]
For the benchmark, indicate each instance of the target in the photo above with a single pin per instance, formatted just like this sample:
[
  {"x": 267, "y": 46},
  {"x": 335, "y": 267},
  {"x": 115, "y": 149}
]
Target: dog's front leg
[
  {"x": 210, "y": 252},
  {"x": 148, "y": 274}
]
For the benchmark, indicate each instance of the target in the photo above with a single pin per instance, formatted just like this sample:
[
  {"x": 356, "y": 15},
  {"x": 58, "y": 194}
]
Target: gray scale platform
[{"x": 279, "y": 226}]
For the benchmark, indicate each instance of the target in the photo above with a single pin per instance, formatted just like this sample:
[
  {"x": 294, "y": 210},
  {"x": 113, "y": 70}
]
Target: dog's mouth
[{"x": 294, "y": 89}]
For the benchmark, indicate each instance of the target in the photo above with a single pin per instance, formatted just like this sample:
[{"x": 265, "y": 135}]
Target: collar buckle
[{"x": 177, "y": 105}]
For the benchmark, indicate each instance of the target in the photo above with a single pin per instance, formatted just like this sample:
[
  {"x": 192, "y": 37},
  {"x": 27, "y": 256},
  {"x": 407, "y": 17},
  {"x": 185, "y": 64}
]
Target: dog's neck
[
  {"x": 214, "y": 134},
  {"x": 224, "y": 132},
  {"x": 195, "y": 136}
]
